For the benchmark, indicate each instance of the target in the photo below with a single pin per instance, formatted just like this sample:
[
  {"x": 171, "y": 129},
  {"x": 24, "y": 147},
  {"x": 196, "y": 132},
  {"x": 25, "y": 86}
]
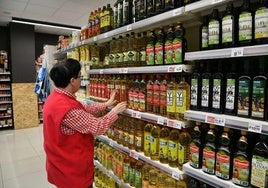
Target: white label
[
  {"x": 129, "y": 27},
  {"x": 134, "y": 155},
  {"x": 136, "y": 114},
  {"x": 95, "y": 39},
  {"x": 254, "y": 126},
  {"x": 105, "y": 35},
  {"x": 237, "y": 52},
  {"x": 123, "y": 70},
  {"x": 101, "y": 71},
  {"x": 177, "y": 12},
  {"x": 176, "y": 68},
  {"x": 216, "y": 120},
  {"x": 176, "y": 175},
  {"x": 111, "y": 143},
  {"x": 160, "y": 120}
]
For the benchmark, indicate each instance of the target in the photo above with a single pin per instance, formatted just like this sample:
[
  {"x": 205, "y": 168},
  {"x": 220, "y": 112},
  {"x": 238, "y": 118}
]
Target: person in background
[{"x": 69, "y": 128}]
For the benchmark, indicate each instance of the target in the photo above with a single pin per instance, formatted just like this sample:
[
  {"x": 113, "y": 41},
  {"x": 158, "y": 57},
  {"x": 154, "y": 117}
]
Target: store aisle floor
[{"x": 22, "y": 159}]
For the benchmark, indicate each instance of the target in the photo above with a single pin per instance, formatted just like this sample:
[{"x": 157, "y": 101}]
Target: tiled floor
[{"x": 22, "y": 159}]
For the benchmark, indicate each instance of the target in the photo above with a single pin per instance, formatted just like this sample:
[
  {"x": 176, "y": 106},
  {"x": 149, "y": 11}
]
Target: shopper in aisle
[{"x": 69, "y": 128}]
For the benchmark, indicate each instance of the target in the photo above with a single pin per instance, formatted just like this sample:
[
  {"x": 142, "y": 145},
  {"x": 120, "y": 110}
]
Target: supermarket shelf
[
  {"x": 173, "y": 172},
  {"x": 146, "y": 69},
  {"x": 111, "y": 174},
  {"x": 246, "y": 51},
  {"x": 6, "y": 126},
  {"x": 5, "y": 80},
  {"x": 203, "y": 5},
  {"x": 6, "y": 117},
  {"x": 207, "y": 178},
  {"x": 5, "y": 73},
  {"x": 5, "y": 89},
  {"x": 7, "y": 95},
  {"x": 229, "y": 121},
  {"x": 5, "y": 102}
]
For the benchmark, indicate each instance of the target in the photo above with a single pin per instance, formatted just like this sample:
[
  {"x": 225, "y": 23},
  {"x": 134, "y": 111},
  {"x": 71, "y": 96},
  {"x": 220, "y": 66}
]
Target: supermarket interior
[{"x": 194, "y": 75}]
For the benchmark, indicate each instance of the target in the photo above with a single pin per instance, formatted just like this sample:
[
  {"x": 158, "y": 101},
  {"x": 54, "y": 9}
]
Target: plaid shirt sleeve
[
  {"x": 95, "y": 108},
  {"x": 86, "y": 123}
]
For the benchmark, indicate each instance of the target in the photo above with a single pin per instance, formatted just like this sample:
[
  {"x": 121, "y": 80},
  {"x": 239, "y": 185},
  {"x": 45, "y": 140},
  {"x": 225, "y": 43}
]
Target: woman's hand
[
  {"x": 112, "y": 100},
  {"x": 120, "y": 107}
]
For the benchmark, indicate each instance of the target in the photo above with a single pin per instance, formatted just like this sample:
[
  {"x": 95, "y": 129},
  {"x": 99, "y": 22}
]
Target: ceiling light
[{"x": 44, "y": 24}]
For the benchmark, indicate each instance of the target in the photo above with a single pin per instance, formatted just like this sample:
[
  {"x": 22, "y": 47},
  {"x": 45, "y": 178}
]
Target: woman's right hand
[{"x": 120, "y": 107}]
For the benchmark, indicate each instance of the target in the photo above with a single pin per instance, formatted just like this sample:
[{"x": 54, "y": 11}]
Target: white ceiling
[{"x": 67, "y": 12}]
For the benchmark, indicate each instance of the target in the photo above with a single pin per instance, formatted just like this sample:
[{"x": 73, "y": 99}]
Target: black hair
[{"x": 62, "y": 72}]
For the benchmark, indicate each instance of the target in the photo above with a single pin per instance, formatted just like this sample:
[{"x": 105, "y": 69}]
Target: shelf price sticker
[
  {"x": 136, "y": 114},
  {"x": 134, "y": 155},
  {"x": 129, "y": 27},
  {"x": 123, "y": 70},
  {"x": 216, "y": 120},
  {"x": 237, "y": 52},
  {"x": 94, "y": 39},
  {"x": 177, "y": 12},
  {"x": 111, "y": 143},
  {"x": 174, "y": 124},
  {"x": 160, "y": 120},
  {"x": 176, "y": 175},
  {"x": 254, "y": 126},
  {"x": 105, "y": 35},
  {"x": 175, "y": 68}
]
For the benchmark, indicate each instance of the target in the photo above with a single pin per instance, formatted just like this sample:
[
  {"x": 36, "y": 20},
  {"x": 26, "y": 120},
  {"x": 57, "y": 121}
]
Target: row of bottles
[
  {"x": 161, "y": 143},
  {"x": 228, "y": 91},
  {"x": 135, "y": 173},
  {"x": 234, "y": 155},
  {"x": 238, "y": 26},
  {"x": 167, "y": 95}
]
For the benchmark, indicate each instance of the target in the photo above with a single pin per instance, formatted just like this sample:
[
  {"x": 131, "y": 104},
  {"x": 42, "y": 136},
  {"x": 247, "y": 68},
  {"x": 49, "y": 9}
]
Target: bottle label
[
  {"x": 150, "y": 54},
  {"x": 209, "y": 157},
  {"x": 204, "y": 37},
  {"x": 261, "y": 23},
  {"x": 132, "y": 56},
  {"x": 142, "y": 101},
  {"x": 181, "y": 154},
  {"x": 205, "y": 93},
  {"x": 131, "y": 175},
  {"x": 136, "y": 100},
  {"x": 168, "y": 52},
  {"x": 143, "y": 55},
  {"x": 173, "y": 151},
  {"x": 163, "y": 148},
  {"x": 138, "y": 141},
  {"x": 138, "y": 179},
  {"x": 177, "y": 50},
  {"x": 243, "y": 97},
  {"x": 223, "y": 166},
  {"x": 181, "y": 101},
  {"x": 194, "y": 155},
  {"x": 154, "y": 146},
  {"x": 258, "y": 98},
  {"x": 125, "y": 58},
  {"x": 259, "y": 171},
  {"x": 131, "y": 139},
  {"x": 216, "y": 93},
  {"x": 163, "y": 95},
  {"x": 126, "y": 171},
  {"x": 245, "y": 26},
  {"x": 159, "y": 54},
  {"x": 147, "y": 143},
  {"x": 149, "y": 94},
  {"x": 241, "y": 172},
  {"x": 171, "y": 105},
  {"x": 214, "y": 32},
  {"x": 230, "y": 94},
  {"x": 194, "y": 91},
  {"x": 227, "y": 29}
]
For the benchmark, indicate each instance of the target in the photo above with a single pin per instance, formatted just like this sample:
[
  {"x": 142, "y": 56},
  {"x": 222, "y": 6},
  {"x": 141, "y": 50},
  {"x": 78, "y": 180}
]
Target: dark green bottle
[
  {"x": 245, "y": 23},
  {"x": 206, "y": 89},
  {"x": 150, "y": 6},
  {"x": 231, "y": 89},
  {"x": 159, "y": 6},
  {"x": 204, "y": 34},
  {"x": 127, "y": 12},
  {"x": 214, "y": 30},
  {"x": 245, "y": 91},
  {"x": 195, "y": 90},
  {"x": 259, "y": 92},
  {"x": 229, "y": 28},
  {"x": 218, "y": 89},
  {"x": 261, "y": 26}
]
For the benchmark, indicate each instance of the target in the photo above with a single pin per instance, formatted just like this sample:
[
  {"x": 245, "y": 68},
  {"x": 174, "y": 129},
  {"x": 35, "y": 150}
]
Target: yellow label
[
  {"x": 171, "y": 104},
  {"x": 180, "y": 101},
  {"x": 154, "y": 146},
  {"x": 147, "y": 143},
  {"x": 181, "y": 152},
  {"x": 163, "y": 148},
  {"x": 173, "y": 151}
]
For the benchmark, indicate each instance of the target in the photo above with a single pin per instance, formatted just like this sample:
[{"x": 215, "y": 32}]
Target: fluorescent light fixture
[{"x": 44, "y": 24}]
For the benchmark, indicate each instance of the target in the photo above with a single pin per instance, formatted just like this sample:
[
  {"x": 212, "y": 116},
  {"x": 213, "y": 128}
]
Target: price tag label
[
  {"x": 136, "y": 114},
  {"x": 123, "y": 70},
  {"x": 177, "y": 124},
  {"x": 237, "y": 52},
  {"x": 177, "y": 12},
  {"x": 105, "y": 35},
  {"x": 129, "y": 27},
  {"x": 134, "y": 155},
  {"x": 101, "y": 71},
  {"x": 160, "y": 120},
  {"x": 216, "y": 1},
  {"x": 254, "y": 126},
  {"x": 217, "y": 120},
  {"x": 170, "y": 123},
  {"x": 175, "y": 68},
  {"x": 175, "y": 175},
  {"x": 111, "y": 143}
]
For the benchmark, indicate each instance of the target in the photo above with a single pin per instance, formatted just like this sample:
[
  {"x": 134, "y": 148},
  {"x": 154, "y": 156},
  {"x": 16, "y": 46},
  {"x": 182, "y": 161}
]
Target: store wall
[
  {"x": 42, "y": 39},
  {"x": 4, "y": 38}
]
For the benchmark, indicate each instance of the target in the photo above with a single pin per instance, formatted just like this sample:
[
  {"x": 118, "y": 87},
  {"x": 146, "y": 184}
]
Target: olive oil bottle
[
  {"x": 209, "y": 151},
  {"x": 147, "y": 139},
  {"x": 259, "y": 163},
  {"x": 182, "y": 98},
  {"x": 163, "y": 144},
  {"x": 196, "y": 147},
  {"x": 206, "y": 89},
  {"x": 184, "y": 147},
  {"x": 171, "y": 98},
  {"x": 173, "y": 144},
  {"x": 224, "y": 156},
  {"x": 204, "y": 34},
  {"x": 196, "y": 88},
  {"x": 241, "y": 162},
  {"x": 214, "y": 30},
  {"x": 261, "y": 27},
  {"x": 139, "y": 136},
  {"x": 154, "y": 149}
]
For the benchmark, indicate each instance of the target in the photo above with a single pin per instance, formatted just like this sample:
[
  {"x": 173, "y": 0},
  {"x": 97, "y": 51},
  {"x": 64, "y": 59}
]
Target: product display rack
[
  {"x": 6, "y": 113},
  {"x": 189, "y": 12}
]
